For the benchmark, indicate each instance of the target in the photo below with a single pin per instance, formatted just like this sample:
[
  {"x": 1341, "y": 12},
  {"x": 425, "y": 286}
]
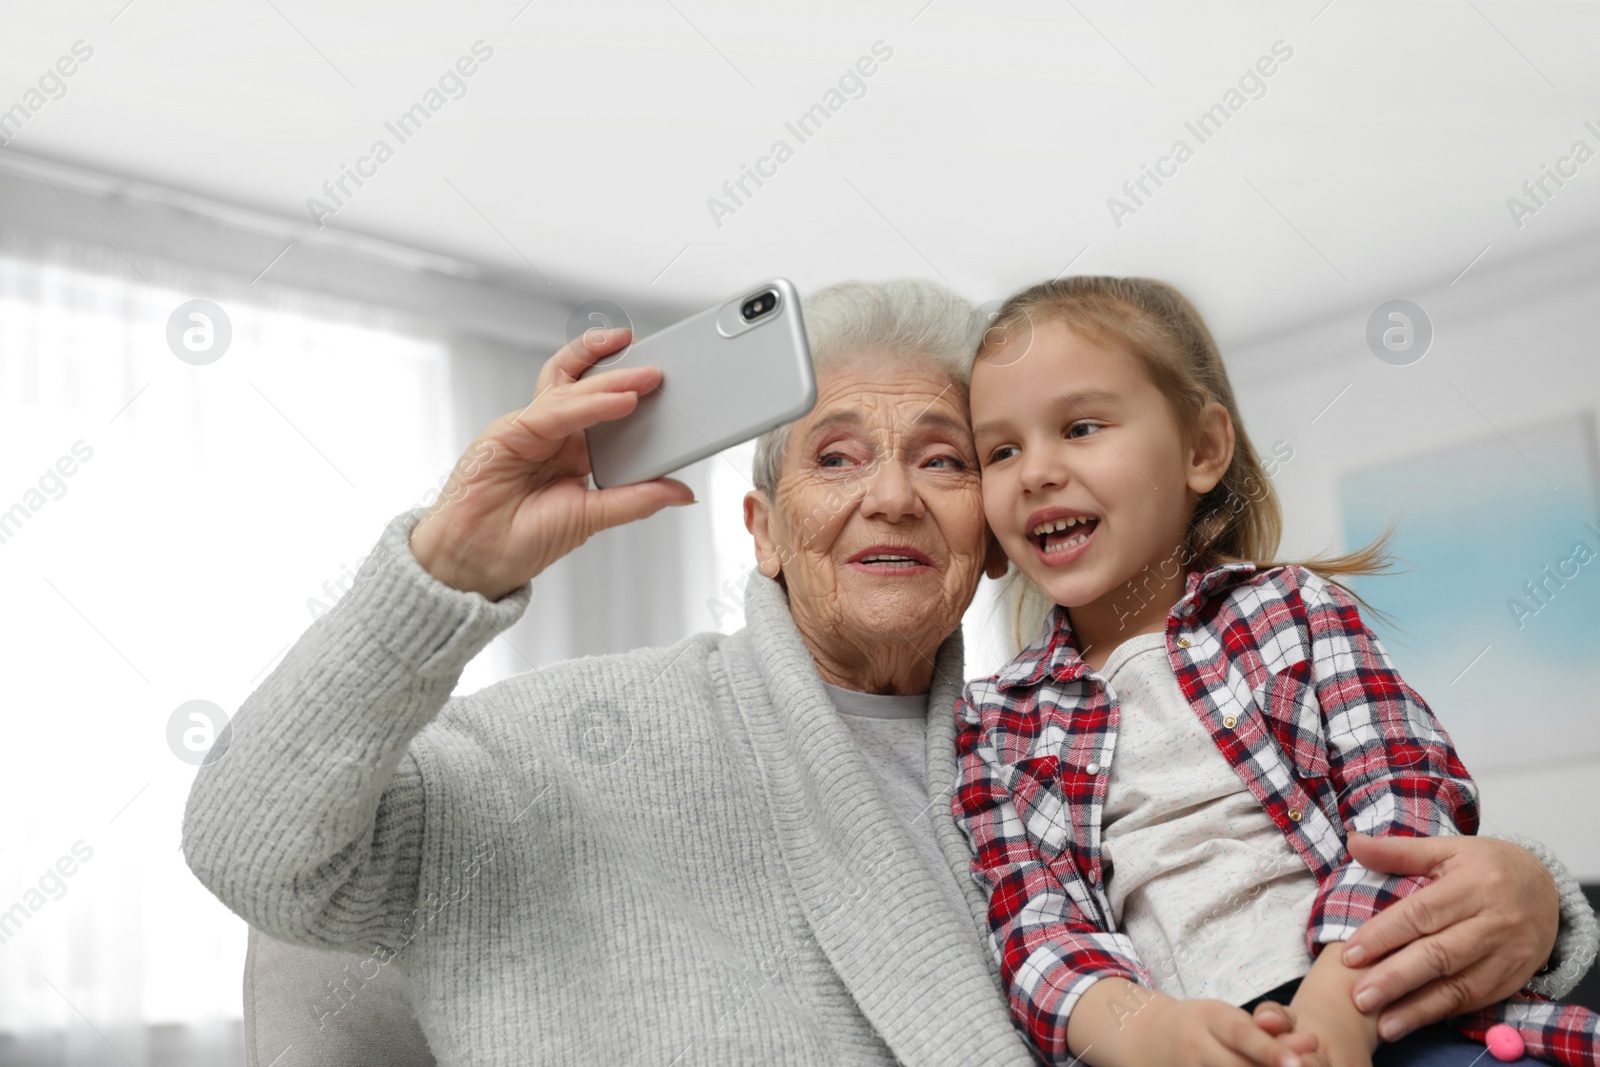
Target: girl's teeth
[
  {"x": 1052, "y": 544},
  {"x": 1060, "y": 524}
]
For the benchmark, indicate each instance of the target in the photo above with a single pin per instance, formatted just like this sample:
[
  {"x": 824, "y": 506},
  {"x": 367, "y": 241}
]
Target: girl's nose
[{"x": 1042, "y": 469}]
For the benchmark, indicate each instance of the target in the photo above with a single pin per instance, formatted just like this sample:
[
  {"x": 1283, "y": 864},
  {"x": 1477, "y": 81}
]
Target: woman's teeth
[{"x": 891, "y": 561}]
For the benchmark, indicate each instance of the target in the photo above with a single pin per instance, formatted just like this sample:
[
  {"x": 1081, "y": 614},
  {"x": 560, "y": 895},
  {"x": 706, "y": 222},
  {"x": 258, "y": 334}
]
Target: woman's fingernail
[
  {"x": 1391, "y": 1030},
  {"x": 1289, "y": 1060},
  {"x": 1355, "y": 955},
  {"x": 1366, "y": 1000}
]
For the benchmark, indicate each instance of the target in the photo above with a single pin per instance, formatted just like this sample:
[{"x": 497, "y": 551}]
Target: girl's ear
[
  {"x": 758, "y": 520},
  {"x": 1212, "y": 450}
]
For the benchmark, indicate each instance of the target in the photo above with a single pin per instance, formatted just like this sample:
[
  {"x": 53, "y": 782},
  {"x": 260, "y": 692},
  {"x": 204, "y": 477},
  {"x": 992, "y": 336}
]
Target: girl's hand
[
  {"x": 1342, "y": 1036},
  {"x": 1211, "y": 1033},
  {"x": 1322, "y": 1010},
  {"x": 520, "y": 498},
  {"x": 1117, "y": 1023}
]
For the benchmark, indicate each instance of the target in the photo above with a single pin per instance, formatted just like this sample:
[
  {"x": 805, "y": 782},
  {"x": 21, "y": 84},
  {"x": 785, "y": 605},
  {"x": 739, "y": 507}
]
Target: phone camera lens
[{"x": 757, "y": 306}]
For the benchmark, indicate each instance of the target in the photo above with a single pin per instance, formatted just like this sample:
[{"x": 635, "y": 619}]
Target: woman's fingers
[
  {"x": 524, "y": 500},
  {"x": 1440, "y": 959},
  {"x": 1418, "y": 914},
  {"x": 1428, "y": 912},
  {"x": 1471, "y": 937},
  {"x": 560, "y": 417},
  {"x": 604, "y": 508},
  {"x": 547, "y": 414},
  {"x": 1393, "y": 854},
  {"x": 616, "y": 380},
  {"x": 583, "y": 352},
  {"x": 1451, "y": 995}
]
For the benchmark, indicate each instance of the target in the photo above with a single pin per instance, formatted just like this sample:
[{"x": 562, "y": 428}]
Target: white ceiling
[{"x": 1379, "y": 160}]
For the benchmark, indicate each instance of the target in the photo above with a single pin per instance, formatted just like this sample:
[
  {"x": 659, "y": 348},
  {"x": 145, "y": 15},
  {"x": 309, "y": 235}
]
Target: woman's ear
[
  {"x": 995, "y": 562},
  {"x": 1211, "y": 451},
  {"x": 758, "y": 520}
]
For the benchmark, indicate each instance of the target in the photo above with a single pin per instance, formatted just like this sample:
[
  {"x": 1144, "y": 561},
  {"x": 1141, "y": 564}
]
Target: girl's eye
[
  {"x": 1087, "y": 428},
  {"x": 1003, "y": 452}
]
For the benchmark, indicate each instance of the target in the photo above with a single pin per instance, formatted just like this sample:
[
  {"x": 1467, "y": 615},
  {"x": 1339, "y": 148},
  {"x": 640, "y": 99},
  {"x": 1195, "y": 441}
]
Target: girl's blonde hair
[{"x": 1238, "y": 520}]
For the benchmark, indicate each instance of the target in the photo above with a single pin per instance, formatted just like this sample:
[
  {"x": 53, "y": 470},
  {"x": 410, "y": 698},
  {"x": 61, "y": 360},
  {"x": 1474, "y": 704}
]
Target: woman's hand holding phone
[{"x": 524, "y": 500}]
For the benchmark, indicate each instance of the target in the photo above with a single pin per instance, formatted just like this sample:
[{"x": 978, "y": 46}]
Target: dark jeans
[{"x": 1432, "y": 1046}]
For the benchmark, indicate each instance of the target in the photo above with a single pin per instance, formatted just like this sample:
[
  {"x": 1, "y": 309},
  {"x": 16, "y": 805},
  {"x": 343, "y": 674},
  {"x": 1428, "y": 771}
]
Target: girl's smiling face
[{"x": 1088, "y": 476}]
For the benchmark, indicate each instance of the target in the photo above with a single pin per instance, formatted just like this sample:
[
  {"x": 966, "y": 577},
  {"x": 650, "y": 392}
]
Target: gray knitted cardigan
[{"x": 671, "y": 856}]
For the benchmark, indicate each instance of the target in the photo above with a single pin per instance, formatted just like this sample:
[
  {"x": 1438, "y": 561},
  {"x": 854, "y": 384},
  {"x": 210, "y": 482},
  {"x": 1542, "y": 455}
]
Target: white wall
[{"x": 1520, "y": 340}]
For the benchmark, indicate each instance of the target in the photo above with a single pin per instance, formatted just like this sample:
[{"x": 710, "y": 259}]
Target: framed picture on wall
[{"x": 1494, "y": 615}]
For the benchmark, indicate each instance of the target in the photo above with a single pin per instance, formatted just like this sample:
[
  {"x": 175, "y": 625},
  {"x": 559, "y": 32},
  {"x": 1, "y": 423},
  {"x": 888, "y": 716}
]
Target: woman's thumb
[
  {"x": 629, "y": 503},
  {"x": 1399, "y": 855}
]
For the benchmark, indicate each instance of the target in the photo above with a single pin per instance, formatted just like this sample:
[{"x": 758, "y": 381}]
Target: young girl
[{"x": 1157, "y": 789}]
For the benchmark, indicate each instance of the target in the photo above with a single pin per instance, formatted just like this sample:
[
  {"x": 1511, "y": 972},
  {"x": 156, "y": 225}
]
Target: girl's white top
[{"x": 1200, "y": 879}]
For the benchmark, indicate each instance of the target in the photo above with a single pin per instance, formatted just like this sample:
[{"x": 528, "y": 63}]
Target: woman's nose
[{"x": 890, "y": 493}]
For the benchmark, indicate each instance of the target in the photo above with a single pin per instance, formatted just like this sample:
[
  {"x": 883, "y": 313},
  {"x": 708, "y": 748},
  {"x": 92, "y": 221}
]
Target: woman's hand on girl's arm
[
  {"x": 1119, "y": 1024},
  {"x": 1473, "y": 937},
  {"x": 520, "y": 498}
]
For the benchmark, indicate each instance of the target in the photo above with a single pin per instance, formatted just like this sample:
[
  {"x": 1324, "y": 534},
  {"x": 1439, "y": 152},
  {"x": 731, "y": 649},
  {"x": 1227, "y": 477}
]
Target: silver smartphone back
[{"x": 728, "y": 374}]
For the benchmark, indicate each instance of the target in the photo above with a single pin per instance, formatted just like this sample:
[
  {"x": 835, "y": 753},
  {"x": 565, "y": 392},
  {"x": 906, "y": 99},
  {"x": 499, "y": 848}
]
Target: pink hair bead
[{"x": 1505, "y": 1044}]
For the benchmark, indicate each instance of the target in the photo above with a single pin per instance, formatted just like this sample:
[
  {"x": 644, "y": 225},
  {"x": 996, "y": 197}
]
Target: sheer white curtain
[{"x": 166, "y": 531}]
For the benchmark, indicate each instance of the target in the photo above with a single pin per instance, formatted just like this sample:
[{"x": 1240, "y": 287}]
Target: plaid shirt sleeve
[
  {"x": 1390, "y": 762},
  {"x": 1551, "y": 1032},
  {"x": 1397, "y": 773},
  {"x": 1041, "y": 916}
]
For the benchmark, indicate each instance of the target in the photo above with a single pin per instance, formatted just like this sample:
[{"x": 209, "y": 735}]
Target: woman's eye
[
  {"x": 832, "y": 459},
  {"x": 1082, "y": 429},
  {"x": 948, "y": 462}
]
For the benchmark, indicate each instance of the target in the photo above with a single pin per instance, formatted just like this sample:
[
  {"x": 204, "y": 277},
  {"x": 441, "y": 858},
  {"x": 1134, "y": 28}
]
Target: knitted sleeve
[
  {"x": 1578, "y": 939},
  {"x": 306, "y": 818}
]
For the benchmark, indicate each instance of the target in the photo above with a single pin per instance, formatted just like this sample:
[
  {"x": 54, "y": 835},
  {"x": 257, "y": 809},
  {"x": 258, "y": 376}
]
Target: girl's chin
[{"x": 1071, "y": 592}]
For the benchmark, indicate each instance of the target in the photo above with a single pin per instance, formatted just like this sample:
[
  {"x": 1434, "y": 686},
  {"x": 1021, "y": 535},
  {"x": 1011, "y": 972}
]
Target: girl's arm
[
  {"x": 1323, "y": 1006},
  {"x": 1390, "y": 762}
]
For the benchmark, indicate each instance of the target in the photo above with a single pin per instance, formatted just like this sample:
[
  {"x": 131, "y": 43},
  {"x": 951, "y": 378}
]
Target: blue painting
[{"x": 1496, "y": 617}]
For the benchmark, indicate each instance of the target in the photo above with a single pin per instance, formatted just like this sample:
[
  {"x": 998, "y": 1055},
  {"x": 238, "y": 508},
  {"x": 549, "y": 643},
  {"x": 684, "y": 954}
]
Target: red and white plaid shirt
[{"x": 1302, "y": 700}]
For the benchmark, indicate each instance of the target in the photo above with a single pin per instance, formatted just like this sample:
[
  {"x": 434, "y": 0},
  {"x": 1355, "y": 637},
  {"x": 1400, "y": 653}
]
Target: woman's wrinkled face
[{"x": 877, "y": 523}]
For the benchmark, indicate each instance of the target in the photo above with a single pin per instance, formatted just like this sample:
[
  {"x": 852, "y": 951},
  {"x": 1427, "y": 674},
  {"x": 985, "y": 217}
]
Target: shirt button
[
  {"x": 1183, "y": 642},
  {"x": 1294, "y": 814},
  {"x": 1093, "y": 768},
  {"x": 1229, "y": 721}
]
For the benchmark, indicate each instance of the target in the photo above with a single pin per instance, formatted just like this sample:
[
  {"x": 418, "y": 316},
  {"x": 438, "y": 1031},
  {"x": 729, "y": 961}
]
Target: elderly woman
[{"x": 768, "y": 871}]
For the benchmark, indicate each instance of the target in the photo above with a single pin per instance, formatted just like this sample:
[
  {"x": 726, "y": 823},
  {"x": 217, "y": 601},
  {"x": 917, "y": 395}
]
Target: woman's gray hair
[{"x": 909, "y": 317}]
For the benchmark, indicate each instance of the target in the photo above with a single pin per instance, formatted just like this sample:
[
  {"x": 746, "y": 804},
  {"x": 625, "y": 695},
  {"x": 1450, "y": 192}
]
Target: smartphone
[{"x": 728, "y": 374}]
